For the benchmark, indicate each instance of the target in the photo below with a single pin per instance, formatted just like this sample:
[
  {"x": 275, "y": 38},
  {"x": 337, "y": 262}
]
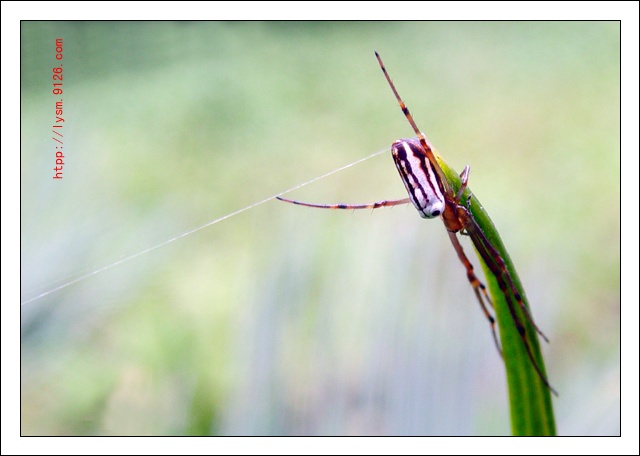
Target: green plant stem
[{"x": 529, "y": 398}]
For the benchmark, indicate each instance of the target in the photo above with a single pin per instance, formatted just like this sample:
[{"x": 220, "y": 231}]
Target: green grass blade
[{"x": 529, "y": 398}]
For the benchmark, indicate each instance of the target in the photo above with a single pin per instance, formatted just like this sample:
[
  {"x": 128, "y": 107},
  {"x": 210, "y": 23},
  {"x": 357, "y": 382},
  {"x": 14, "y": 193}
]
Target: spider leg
[
  {"x": 494, "y": 261},
  {"x": 464, "y": 177},
  {"x": 513, "y": 298},
  {"x": 478, "y": 287},
  {"x": 423, "y": 140},
  {"x": 523, "y": 334},
  {"x": 383, "y": 203},
  {"x": 472, "y": 229}
]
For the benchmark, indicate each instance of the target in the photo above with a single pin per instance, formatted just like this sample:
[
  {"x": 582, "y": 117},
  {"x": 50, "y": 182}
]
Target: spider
[{"x": 431, "y": 194}]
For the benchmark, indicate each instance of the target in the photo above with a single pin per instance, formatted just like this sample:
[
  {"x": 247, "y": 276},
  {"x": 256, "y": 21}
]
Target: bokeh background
[{"x": 285, "y": 320}]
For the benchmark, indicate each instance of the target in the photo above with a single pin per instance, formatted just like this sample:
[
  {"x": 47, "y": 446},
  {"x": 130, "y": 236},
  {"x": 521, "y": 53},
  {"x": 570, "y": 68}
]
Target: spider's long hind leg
[
  {"x": 478, "y": 287},
  {"x": 495, "y": 262},
  {"x": 523, "y": 333},
  {"x": 513, "y": 298}
]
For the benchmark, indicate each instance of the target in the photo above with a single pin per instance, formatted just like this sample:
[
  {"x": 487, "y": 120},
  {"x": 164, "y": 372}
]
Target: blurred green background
[{"x": 291, "y": 321}]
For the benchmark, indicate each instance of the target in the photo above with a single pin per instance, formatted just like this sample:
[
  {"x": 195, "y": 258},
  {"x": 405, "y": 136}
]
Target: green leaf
[{"x": 529, "y": 398}]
